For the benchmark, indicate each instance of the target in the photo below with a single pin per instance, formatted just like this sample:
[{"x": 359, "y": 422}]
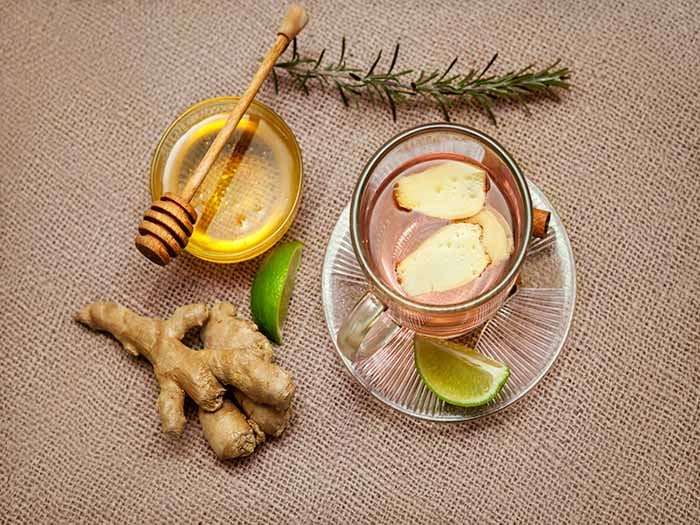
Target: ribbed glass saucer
[{"x": 527, "y": 333}]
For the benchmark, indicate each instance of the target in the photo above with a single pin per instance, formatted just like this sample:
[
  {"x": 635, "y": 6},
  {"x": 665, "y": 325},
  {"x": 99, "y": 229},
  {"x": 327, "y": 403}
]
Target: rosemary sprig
[{"x": 446, "y": 89}]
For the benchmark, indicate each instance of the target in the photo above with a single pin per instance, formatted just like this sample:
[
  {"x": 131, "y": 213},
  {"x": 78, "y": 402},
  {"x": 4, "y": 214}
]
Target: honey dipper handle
[{"x": 294, "y": 21}]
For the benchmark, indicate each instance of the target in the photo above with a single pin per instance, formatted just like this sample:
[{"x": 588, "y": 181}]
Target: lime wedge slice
[
  {"x": 457, "y": 374},
  {"x": 272, "y": 289}
]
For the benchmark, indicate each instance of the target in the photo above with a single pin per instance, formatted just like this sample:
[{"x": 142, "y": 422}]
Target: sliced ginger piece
[
  {"x": 451, "y": 190},
  {"x": 497, "y": 236},
  {"x": 450, "y": 258}
]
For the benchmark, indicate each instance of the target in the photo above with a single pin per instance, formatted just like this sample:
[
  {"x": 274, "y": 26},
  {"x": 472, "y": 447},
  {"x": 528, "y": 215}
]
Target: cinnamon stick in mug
[{"x": 540, "y": 222}]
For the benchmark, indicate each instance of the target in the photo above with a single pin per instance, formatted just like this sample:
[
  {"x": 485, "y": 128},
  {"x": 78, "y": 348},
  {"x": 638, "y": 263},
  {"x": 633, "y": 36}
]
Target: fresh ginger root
[
  {"x": 226, "y": 332},
  {"x": 201, "y": 374},
  {"x": 229, "y": 433}
]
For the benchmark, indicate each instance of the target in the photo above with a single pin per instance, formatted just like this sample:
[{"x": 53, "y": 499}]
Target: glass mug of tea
[{"x": 383, "y": 234}]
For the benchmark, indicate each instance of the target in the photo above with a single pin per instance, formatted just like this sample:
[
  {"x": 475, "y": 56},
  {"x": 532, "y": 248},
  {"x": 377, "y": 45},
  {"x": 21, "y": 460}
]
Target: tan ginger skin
[
  {"x": 239, "y": 356},
  {"x": 229, "y": 433},
  {"x": 226, "y": 331}
]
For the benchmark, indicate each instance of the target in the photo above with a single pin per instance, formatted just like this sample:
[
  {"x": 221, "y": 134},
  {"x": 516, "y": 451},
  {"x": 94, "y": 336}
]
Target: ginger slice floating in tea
[
  {"x": 450, "y": 190},
  {"x": 450, "y": 258},
  {"x": 497, "y": 236}
]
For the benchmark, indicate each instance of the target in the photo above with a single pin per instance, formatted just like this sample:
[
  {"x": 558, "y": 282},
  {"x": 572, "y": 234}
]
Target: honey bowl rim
[{"x": 274, "y": 119}]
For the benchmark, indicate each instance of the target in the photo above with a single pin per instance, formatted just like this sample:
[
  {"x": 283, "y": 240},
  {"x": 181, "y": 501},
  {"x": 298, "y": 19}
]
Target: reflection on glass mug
[{"x": 384, "y": 234}]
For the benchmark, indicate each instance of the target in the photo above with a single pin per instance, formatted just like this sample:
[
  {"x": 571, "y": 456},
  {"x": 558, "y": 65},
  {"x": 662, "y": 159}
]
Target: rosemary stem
[{"x": 395, "y": 88}]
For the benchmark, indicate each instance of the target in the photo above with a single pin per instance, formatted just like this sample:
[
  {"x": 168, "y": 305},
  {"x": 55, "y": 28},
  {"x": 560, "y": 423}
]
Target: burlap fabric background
[{"x": 611, "y": 435}]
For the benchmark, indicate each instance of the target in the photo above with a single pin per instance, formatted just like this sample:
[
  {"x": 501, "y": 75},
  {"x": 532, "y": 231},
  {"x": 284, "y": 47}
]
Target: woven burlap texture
[{"x": 610, "y": 435}]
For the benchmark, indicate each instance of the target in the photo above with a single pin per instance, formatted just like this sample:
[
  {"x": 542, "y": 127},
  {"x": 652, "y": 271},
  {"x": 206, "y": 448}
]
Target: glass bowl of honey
[{"x": 250, "y": 196}]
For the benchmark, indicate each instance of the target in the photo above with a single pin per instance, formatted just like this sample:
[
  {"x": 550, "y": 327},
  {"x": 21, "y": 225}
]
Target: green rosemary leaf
[
  {"x": 377, "y": 89},
  {"x": 449, "y": 81},
  {"x": 376, "y": 61},
  {"x": 429, "y": 78},
  {"x": 449, "y": 68},
  {"x": 322, "y": 81},
  {"x": 442, "y": 106},
  {"x": 488, "y": 66},
  {"x": 521, "y": 102},
  {"x": 403, "y": 73},
  {"x": 341, "y": 62},
  {"x": 343, "y": 96},
  {"x": 522, "y": 71},
  {"x": 485, "y": 104},
  {"x": 320, "y": 58},
  {"x": 393, "y": 61},
  {"x": 466, "y": 79}
]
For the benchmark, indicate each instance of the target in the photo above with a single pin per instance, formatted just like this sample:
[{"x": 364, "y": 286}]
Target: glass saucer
[{"x": 527, "y": 333}]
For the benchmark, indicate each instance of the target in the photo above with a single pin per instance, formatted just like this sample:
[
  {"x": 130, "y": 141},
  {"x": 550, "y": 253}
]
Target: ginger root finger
[
  {"x": 177, "y": 368},
  {"x": 171, "y": 407},
  {"x": 185, "y": 319},
  {"x": 225, "y": 330},
  {"x": 229, "y": 433},
  {"x": 227, "y": 333},
  {"x": 260, "y": 380},
  {"x": 137, "y": 334},
  {"x": 270, "y": 420}
]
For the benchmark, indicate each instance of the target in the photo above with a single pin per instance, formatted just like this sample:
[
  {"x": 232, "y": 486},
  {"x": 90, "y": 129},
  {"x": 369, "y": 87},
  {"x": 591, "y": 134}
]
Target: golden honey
[{"x": 251, "y": 194}]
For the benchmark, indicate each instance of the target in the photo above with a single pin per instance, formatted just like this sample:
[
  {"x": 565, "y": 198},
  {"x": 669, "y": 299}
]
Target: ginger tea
[{"x": 394, "y": 233}]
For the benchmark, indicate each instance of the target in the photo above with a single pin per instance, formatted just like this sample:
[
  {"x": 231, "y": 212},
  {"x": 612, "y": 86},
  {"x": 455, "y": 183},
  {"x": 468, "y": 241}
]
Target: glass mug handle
[{"x": 367, "y": 328}]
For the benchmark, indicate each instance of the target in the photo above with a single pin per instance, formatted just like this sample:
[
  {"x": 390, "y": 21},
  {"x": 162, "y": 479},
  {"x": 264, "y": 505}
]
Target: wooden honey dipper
[{"x": 167, "y": 225}]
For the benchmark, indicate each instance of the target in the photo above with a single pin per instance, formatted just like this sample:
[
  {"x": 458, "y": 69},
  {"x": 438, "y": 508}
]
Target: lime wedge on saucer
[
  {"x": 272, "y": 289},
  {"x": 457, "y": 374}
]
